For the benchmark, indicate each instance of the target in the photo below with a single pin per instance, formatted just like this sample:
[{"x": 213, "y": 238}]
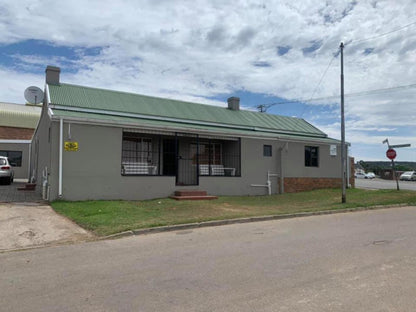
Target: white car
[
  {"x": 370, "y": 175},
  {"x": 360, "y": 175},
  {"x": 408, "y": 176},
  {"x": 6, "y": 170}
]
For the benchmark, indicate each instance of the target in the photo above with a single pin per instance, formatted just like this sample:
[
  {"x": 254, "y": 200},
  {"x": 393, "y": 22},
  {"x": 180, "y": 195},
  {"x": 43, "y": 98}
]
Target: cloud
[{"x": 196, "y": 50}]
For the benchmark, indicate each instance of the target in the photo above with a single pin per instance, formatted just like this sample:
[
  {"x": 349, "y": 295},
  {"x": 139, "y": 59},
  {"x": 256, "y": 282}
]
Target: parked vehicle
[
  {"x": 360, "y": 175},
  {"x": 6, "y": 170},
  {"x": 408, "y": 176},
  {"x": 370, "y": 175}
]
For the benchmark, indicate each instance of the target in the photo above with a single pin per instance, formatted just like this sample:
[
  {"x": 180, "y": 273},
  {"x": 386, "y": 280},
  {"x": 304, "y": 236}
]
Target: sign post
[{"x": 391, "y": 154}]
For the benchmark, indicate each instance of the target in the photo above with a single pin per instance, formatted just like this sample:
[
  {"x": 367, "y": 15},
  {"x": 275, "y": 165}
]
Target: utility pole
[{"x": 343, "y": 152}]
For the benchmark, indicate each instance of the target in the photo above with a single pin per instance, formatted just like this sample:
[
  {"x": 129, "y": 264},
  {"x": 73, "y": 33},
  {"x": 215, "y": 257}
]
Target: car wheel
[{"x": 9, "y": 181}]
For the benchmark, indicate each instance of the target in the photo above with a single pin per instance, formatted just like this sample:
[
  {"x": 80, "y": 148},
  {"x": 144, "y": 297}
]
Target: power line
[
  {"x": 381, "y": 35},
  {"x": 320, "y": 80},
  {"x": 360, "y": 93},
  {"x": 263, "y": 107}
]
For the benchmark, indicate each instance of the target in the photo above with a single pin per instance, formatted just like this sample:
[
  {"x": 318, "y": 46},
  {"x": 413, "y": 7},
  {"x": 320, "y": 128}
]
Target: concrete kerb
[{"x": 178, "y": 227}]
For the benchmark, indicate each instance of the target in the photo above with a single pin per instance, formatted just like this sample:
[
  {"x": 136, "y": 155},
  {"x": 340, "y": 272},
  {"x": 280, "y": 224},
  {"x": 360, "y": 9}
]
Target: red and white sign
[{"x": 391, "y": 154}]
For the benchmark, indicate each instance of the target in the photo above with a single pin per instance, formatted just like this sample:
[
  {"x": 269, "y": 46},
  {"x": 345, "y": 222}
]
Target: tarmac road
[
  {"x": 385, "y": 184},
  {"x": 361, "y": 261}
]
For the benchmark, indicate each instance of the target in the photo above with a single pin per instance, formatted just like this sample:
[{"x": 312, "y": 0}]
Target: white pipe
[
  {"x": 268, "y": 182},
  {"x": 61, "y": 143},
  {"x": 282, "y": 188},
  {"x": 30, "y": 163}
]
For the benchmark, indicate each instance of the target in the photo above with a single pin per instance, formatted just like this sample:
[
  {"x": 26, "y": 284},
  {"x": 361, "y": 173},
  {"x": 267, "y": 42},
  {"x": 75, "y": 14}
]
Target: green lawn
[{"x": 109, "y": 217}]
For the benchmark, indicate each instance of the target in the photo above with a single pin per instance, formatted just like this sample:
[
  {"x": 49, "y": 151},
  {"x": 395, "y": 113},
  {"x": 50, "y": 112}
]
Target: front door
[
  {"x": 187, "y": 160},
  {"x": 169, "y": 157}
]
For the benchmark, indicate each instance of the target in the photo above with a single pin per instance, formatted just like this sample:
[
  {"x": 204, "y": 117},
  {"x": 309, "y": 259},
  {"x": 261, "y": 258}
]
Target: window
[
  {"x": 216, "y": 158},
  {"x": 136, "y": 149},
  {"x": 311, "y": 156},
  {"x": 267, "y": 150},
  {"x": 15, "y": 157},
  {"x": 209, "y": 153},
  {"x": 137, "y": 155}
]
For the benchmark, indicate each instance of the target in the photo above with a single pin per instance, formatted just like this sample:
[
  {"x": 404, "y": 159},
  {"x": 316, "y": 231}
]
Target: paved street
[
  {"x": 362, "y": 261},
  {"x": 384, "y": 184}
]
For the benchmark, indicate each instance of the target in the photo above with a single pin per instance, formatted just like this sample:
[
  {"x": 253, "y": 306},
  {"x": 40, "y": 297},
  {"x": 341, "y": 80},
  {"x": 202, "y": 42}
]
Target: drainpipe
[
  {"x": 29, "y": 169},
  {"x": 61, "y": 135},
  {"x": 282, "y": 189},
  {"x": 282, "y": 175}
]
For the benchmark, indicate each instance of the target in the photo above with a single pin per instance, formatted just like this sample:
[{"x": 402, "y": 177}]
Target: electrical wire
[
  {"x": 264, "y": 107},
  {"x": 379, "y": 36},
  {"x": 360, "y": 93},
  {"x": 320, "y": 80}
]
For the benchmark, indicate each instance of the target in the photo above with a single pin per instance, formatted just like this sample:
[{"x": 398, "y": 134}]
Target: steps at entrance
[{"x": 192, "y": 195}]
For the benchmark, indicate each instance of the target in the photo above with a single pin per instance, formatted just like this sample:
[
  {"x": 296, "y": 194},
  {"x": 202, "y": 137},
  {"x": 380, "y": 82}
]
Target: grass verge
[{"x": 109, "y": 217}]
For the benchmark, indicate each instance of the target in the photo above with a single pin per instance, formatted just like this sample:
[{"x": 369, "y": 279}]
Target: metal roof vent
[
  {"x": 52, "y": 75},
  {"x": 234, "y": 103}
]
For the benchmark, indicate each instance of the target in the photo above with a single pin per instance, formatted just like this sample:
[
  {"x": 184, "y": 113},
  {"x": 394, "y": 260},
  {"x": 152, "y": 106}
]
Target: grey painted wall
[
  {"x": 94, "y": 171},
  {"x": 21, "y": 172},
  {"x": 41, "y": 149},
  {"x": 294, "y": 162}
]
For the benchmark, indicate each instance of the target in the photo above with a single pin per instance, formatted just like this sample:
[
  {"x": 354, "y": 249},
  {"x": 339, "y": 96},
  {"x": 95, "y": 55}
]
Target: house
[
  {"x": 17, "y": 125},
  {"x": 100, "y": 144}
]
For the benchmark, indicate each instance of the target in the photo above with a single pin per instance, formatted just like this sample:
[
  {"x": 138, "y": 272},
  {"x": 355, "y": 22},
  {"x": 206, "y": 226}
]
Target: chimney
[
  {"x": 234, "y": 103},
  {"x": 52, "y": 75}
]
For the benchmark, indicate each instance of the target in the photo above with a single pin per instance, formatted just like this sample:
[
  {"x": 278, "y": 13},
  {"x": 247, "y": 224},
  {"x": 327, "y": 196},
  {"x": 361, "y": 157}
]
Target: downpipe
[{"x": 45, "y": 184}]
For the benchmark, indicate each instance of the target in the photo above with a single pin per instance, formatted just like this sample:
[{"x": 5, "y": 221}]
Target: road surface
[
  {"x": 362, "y": 261},
  {"x": 385, "y": 184}
]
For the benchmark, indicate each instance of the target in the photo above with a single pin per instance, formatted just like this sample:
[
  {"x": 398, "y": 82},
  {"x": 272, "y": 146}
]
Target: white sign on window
[{"x": 333, "y": 150}]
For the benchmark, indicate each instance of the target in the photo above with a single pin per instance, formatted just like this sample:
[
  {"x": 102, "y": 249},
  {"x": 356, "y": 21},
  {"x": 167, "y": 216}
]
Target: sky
[{"x": 285, "y": 53}]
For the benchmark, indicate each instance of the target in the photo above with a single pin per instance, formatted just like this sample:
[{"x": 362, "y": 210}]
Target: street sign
[
  {"x": 399, "y": 145},
  {"x": 391, "y": 154}
]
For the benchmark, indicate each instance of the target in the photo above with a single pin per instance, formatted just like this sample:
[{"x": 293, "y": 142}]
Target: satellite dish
[{"x": 33, "y": 95}]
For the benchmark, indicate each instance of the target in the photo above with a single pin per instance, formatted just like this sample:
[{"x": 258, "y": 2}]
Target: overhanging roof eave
[{"x": 58, "y": 108}]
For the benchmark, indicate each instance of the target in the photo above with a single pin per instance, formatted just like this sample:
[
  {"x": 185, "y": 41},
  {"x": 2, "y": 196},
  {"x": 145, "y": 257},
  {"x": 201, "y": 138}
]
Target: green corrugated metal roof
[
  {"x": 166, "y": 125},
  {"x": 19, "y": 115},
  {"x": 82, "y": 98}
]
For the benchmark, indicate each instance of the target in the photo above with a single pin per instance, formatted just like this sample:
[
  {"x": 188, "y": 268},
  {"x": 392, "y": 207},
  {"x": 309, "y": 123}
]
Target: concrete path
[{"x": 29, "y": 224}]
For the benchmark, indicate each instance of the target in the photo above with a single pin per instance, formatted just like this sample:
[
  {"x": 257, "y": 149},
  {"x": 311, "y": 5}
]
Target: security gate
[{"x": 187, "y": 159}]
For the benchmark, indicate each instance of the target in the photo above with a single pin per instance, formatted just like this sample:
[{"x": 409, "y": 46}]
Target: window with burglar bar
[
  {"x": 311, "y": 156},
  {"x": 217, "y": 159},
  {"x": 137, "y": 155}
]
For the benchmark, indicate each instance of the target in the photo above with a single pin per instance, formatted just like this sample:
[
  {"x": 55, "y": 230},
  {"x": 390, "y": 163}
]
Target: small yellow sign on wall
[{"x": 71, "y": 146}]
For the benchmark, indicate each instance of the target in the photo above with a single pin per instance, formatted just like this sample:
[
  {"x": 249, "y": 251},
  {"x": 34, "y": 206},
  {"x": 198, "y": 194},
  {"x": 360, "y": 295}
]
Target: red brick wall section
[
  {"x": 12, "y": 133},
  {"x": 293, "y": 185},
  {"x": 352, "y": 172}
]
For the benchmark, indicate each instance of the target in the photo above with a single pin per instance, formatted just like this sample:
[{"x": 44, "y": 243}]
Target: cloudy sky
[{"x": 282, "y": 52}]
